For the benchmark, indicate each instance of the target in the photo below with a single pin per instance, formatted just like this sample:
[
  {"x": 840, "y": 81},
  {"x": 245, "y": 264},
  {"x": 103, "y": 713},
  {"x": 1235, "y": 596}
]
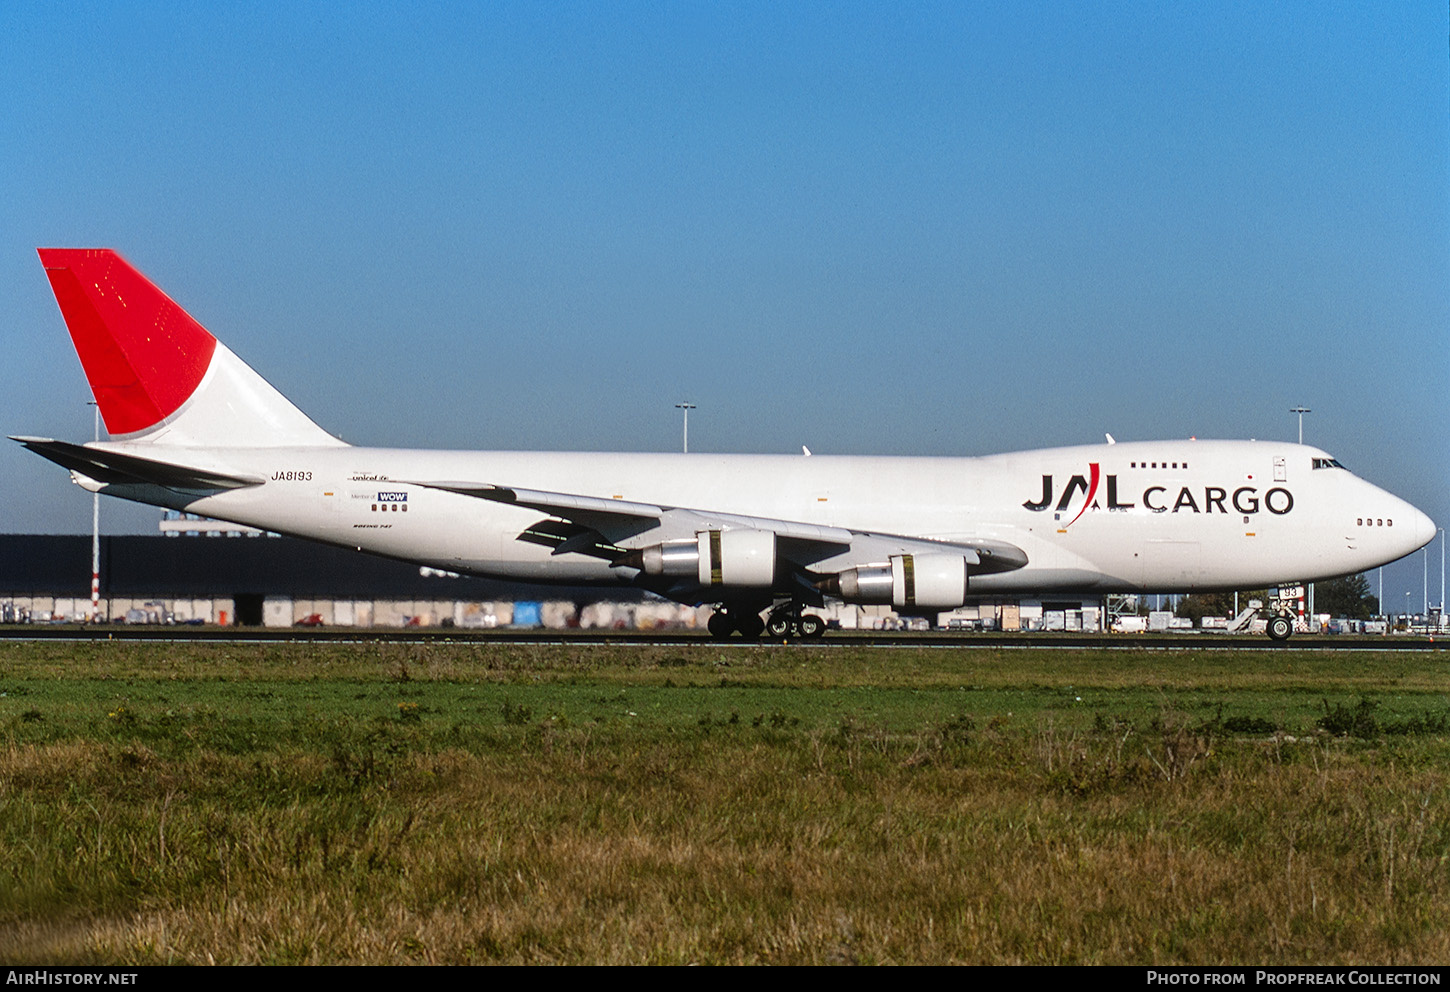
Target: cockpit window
[{"x": 1327, "y": 463}]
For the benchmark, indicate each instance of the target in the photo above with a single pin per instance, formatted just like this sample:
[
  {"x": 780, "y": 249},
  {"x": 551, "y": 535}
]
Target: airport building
[
  {"x": 212, "y": 572},
  {"x": 235, "y": 575},
  {"x": 279, "y": 582},
  {"x": 207, "y": 572}
]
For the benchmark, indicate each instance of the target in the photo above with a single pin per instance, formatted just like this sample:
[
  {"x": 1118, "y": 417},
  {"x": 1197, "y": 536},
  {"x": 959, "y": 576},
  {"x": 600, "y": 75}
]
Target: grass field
[{"x": 576, "y": 804}]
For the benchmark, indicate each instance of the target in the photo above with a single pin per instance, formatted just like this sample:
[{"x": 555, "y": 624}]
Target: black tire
[
  {"x": 812, "y": 626},
  {"x": 1279, "y": 628},
  {"x": 750, "y": 626},
  {"x": 778, "y": 625},
  {"x": 720, "y": 625}
]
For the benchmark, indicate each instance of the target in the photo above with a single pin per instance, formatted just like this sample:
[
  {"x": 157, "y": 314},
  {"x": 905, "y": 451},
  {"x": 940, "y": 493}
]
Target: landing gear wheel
[
  {"x": 721, "y": 625},
  {"x": 750, "y": 626},
  {"x": 812, "y": 626},
  {"x": 1279, "y": 628}
]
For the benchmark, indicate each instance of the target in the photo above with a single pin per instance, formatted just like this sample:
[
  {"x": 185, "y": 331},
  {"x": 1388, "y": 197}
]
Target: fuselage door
[{"x": 1280, "y": 469}]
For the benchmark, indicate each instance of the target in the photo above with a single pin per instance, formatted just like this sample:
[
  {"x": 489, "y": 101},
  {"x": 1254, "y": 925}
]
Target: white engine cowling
[
  {"x": 737, "y": 558},
  {"x": 909, "y": 582}
]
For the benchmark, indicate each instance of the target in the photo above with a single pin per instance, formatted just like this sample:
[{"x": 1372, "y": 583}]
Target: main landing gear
[
  {"x": 785, "y": 621},
  {"x": 726, "y": 621}
]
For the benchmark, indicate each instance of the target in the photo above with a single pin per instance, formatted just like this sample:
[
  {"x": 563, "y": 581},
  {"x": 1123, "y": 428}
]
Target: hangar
[
  {"x": 279, "y": 581},
  {"x": 238, "y": 576}
]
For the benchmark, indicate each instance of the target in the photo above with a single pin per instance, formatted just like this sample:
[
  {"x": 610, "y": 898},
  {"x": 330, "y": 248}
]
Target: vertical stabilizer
[{"x": 157, "y": 374}]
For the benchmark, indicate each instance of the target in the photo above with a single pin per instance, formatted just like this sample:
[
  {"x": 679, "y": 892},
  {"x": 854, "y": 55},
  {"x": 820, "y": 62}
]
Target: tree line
[{"x": 1348, "y": 597}]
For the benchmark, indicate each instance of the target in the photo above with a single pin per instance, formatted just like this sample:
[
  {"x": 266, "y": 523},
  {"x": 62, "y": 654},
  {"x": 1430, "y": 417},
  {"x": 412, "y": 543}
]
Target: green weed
[{"x": 309, "y": 804}]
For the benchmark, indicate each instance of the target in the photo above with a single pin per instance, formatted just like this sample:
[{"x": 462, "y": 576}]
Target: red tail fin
[{"x": 143, "y": 355}]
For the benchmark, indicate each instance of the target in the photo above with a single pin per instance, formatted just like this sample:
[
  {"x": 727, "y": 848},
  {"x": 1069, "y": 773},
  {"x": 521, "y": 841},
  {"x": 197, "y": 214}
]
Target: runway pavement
[{"x": 834, "y": 638}]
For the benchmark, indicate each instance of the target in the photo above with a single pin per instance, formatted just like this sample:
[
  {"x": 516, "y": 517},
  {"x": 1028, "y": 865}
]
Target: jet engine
[
  {"x": 907, "y": 582},
  {"x": 734, "y": 558}
]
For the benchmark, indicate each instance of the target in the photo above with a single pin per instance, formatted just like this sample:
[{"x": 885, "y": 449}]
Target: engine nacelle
[
  {"x": 908, "y": 582},
  {"x": 717, "y": 558},
  {"x": 737, "y": 558}
]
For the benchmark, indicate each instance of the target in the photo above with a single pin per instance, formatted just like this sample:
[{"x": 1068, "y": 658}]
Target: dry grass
[{"x": 462, "y": 837}]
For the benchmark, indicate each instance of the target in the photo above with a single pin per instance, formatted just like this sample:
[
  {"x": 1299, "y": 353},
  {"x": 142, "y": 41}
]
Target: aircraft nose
[{"x": 1424, "y": 529}]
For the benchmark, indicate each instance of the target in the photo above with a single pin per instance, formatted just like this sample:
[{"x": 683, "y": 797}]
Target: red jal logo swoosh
[{"x": 1092, "y": 491}]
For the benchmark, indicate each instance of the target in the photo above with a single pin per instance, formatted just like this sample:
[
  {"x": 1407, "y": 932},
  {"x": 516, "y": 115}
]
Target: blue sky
[{"x": 869, "y": 228}]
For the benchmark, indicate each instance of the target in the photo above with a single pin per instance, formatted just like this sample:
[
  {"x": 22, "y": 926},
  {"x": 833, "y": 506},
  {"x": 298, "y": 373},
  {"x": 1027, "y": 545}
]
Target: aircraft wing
[
  {"x": 117, "y": 468},
  {"x": 623, "y": 519},
  {"x": 624, "y": 526}
]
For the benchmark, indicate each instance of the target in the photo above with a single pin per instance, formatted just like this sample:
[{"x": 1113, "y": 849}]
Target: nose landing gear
[{"x": 1279, "y": 627}]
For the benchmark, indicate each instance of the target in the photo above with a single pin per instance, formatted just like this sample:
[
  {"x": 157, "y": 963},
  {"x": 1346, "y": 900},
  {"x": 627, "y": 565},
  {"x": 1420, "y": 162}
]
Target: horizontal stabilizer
[{"x": 116, "y": 468}]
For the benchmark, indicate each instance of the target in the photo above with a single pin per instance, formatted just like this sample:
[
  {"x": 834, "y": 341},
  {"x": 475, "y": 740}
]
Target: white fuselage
[
  {"x": 1140, "y": 516},
  {"x": 199, "y": 430}
]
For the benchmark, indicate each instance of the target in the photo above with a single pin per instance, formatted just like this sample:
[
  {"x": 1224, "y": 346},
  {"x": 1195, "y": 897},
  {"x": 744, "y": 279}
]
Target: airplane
[{"x": 759, "y": 538}]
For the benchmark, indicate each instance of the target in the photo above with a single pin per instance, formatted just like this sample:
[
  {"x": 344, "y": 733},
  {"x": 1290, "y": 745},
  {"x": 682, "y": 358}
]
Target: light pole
[
  {"x": 96, "y": 532},
  {"x": 1301, "y": 410},
  {"x": 687, "y": 407},
  {"x": 1442, "y": 573}
]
